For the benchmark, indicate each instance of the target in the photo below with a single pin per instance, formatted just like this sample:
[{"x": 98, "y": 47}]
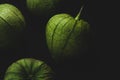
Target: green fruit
[
  {"x": 12, "y": 23},
  {"x": 29, "y": 69},
  {"x": 66, "y": 36},
  {"x": 41, "y": 7}
]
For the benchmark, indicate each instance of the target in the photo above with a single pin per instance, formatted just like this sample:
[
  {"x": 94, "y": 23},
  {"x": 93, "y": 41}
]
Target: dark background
[{"x": 34, "y": 42}]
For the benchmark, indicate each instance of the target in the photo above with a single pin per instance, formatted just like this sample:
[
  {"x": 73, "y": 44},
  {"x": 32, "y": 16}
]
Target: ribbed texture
[
  {"x": 12, "y": 23},
  {"x": 40, "y": 7},
  {"x": 29, "y": 69},
  {"x": 65, "y": 36}
]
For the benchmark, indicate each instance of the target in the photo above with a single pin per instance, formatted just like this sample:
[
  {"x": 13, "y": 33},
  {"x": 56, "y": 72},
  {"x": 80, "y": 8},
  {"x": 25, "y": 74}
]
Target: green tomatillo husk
[
  {"x": 12, "y": 24},
  {"x": 67, "y": 37}
]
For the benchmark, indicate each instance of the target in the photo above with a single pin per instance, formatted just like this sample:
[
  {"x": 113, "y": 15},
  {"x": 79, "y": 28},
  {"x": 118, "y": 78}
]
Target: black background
[{"x": 34, "y": 42}]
